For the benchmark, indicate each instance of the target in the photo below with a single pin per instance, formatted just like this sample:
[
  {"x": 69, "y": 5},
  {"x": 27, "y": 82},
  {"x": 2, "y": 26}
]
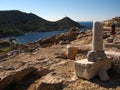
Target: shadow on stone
[
  {"x": 113, "y": 82},
  {"x": 26, "y": 82}
]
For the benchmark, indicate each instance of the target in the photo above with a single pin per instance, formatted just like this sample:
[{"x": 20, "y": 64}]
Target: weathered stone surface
[
  {"x": 6, "y": 80},
  {"x": 95, "y": 56},
  {"x": 62, "y": 54},
  {"x": 15, "y": 76},
  {"x": 97, "y": 51},
  {"x": 115, "y": 56},
  {"x": 49, "y": 83},
  {"x": 111, "y": 45},
  {"x": 87, "y": 70},
  {"x": 70, "y": 52},
  {"x": 61, "y": 42},
  {"x": 22, "y": 72},
  {"x": 96, "y": 63},
  {"x": 97, "y": 36},
  {"x": 103, "y": 75},
  {"x": 110, "y": 40}
]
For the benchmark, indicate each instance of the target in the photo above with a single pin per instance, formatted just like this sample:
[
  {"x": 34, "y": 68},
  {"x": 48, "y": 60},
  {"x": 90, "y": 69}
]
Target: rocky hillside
[
  {"x": 16, "y": 22},
  {"x": 109, "y": 22}
]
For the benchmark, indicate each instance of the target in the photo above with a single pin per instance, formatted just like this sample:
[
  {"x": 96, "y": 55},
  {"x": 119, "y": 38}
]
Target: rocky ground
[{"x": 44, "y": 69}]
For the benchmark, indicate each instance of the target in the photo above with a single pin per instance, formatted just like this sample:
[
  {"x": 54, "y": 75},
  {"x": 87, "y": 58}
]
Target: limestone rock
[
  {"x": 106, "y": 35},
  {"x": 6, "y": 80},
  {"x": 103, "y": 75},
  {"x": 110, "y": 39},
  {"x": 111, "y": 45},
  {"x": 15, "y": 76},
  {"x": 61, "y": 42},
  {"x": 22, "y": 72},
  {"x": 70, "y": 52},
  {"x": 115, "y": 56},
  {"x": 62, "y": 54},
  {"x": 49, "y": 83}
]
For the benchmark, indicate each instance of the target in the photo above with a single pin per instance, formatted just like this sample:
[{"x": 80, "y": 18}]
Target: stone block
[
  {"x": 87, "y": 70},
  {"x": 71, "y": 52}
]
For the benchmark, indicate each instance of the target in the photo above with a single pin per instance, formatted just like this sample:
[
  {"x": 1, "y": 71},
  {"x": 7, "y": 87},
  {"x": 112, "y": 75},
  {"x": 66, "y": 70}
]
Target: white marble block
[{"x": 87, "y": 69}]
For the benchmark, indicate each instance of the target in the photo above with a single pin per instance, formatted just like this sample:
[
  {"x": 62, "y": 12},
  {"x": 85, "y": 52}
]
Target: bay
[{"x": 34, "y": 36}]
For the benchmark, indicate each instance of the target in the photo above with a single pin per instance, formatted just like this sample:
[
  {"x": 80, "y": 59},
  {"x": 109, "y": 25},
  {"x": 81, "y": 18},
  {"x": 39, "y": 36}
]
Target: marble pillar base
[
  {"x": 87, "y": 69},
  {"x": 95, "y": 56}
]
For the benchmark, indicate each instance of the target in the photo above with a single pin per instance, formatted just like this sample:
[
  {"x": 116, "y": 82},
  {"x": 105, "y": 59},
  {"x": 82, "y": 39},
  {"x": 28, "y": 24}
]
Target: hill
[
  {"x": 15, "y": 22},
  {"x": 109, "y": 22}
]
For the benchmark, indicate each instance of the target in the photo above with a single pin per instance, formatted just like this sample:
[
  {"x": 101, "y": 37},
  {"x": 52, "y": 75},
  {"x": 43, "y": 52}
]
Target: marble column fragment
[{"x": 97, "y": 52}]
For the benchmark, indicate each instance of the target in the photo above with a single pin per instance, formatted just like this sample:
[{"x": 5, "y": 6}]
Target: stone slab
[
  {"x": 87, "y": 70},
  {"x": 70, "y": 52}
]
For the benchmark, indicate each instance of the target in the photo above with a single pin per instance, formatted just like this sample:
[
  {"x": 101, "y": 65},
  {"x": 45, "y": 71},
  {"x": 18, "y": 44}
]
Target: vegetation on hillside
[
  {"x": 15, "y": 22},
  {"x": 4, "y": 47}
]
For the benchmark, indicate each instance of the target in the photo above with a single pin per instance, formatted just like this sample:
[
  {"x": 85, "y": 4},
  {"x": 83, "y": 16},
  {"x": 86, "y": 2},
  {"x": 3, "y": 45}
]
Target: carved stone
[{"x": 97, "y": 52}]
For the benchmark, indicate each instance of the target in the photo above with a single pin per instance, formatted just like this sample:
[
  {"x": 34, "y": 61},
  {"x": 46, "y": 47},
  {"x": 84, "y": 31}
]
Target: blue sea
[{"x": 34, "y": 36}]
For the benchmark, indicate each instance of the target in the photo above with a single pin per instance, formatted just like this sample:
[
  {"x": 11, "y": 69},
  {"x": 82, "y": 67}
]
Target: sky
[{"x": 78, "y": 10}]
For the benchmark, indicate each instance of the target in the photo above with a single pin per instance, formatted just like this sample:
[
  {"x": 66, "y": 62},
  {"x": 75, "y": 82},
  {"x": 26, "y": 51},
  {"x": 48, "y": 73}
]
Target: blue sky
[{"x": 78, "y": 10}]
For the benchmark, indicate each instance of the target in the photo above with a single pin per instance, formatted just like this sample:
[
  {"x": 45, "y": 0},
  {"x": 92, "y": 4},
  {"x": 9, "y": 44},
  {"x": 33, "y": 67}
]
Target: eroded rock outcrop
[
  {"x": 49, "y": 82},
  {"x": 15, "y": 76},
  {"x": 115, "y": 60}
]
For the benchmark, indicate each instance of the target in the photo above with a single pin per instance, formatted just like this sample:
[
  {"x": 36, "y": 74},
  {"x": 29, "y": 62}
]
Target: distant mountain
[
  {"x": 116, "y": 20},
  {"x": 15, "y": 22}
]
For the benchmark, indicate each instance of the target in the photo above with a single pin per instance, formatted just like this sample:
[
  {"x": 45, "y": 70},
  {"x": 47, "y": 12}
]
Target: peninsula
[{"x": 14, "y": 22}]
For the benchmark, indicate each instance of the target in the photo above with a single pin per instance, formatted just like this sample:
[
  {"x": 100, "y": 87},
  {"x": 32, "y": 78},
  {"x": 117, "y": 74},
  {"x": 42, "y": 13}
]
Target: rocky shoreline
[{"x": 64, "y": 38}]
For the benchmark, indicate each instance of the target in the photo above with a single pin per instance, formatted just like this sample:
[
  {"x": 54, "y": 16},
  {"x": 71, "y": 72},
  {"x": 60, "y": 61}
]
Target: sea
[{"x": 34, "y": 36}]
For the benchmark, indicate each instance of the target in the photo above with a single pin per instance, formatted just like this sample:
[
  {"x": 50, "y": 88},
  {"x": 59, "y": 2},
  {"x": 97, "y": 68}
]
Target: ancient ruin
[
  {"x": 97, "y": 52},
  {"x": 52, "y": 67},
  {"x": 96, "y": 63}
]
